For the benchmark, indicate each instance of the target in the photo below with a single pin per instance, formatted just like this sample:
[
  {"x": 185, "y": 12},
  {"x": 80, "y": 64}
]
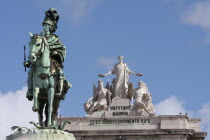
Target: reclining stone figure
[{"x": 100, "y": 99}]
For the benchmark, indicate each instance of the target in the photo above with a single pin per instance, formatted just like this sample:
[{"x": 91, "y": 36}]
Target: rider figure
[{"x": 57, "y": 53}]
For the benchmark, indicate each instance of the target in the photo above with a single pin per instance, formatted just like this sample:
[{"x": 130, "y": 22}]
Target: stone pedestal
[{"x": 41, "y": 134}]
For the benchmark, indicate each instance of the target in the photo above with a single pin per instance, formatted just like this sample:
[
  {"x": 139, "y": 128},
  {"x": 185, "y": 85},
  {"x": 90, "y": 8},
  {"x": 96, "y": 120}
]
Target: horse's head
[{"x": 36, "y": 45}]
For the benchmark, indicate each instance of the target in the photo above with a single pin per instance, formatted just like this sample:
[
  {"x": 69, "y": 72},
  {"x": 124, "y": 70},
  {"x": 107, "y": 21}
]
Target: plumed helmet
[{"x": 51, "y": 18}]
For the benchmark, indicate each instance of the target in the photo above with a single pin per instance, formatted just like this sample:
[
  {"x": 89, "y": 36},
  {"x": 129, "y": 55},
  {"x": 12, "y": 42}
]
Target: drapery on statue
[
  {"x": 45, "y": 77},
  {"x": 122, "y": 73},
  {"x": 143, "y": 100},
  {"x": 100, "y": 99}
]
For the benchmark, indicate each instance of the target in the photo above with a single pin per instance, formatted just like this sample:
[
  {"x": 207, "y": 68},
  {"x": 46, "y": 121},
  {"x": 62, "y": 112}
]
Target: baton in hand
[{"x": 25, "y": 56}]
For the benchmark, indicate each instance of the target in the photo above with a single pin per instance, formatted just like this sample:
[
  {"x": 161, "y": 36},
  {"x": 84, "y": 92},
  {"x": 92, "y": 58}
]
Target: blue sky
[{"x": 166, "y": 40}]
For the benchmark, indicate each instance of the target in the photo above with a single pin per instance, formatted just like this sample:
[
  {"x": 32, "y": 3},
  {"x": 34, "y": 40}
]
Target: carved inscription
[
  {"x": 120, "y": 107},
  {"x": 122, "y": 110},
  {"x": 118, "y": 122},
  {"x": 120, "y": 113}
]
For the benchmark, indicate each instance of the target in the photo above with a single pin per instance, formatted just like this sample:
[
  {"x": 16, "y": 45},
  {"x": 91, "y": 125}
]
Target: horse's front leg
[
  {"x": 42, "y": 103},
  {"x": 35, "y": 96},
  {"x": 51, "y": 93}
]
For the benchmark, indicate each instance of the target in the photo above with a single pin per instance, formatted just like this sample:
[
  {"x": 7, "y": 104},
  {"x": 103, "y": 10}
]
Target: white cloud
[
  {"x": 77, "y": 11},
  {"x": 173, "y": 105},
  {"x": 204, "y": 113},
  {"x": 170, "y": 106},
  {"x": 106, "y": 62},
  {"x": 16, "y": 110},
  {"x": 198, "y": 14}
]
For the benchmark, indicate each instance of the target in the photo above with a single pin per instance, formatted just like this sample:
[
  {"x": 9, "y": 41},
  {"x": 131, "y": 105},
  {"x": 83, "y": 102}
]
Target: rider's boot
[{"x": 29, "y": 93}]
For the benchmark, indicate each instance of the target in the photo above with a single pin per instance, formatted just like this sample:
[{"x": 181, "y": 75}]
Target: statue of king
[{"x": 47, "y": 84}]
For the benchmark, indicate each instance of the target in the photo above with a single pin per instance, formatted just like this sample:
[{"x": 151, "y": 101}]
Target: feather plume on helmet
[{"x": 51, "y": 18}]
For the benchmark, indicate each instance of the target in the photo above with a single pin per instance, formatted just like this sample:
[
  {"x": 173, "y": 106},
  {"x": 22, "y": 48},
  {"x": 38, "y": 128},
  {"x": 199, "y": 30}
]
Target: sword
[{"x": 25, "y": 56}]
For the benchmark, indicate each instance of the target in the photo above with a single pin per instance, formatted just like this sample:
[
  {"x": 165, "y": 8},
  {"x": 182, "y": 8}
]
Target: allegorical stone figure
[
  {"x": 100, "y": 99},
  {"x": 57, "y": 53},
  {"x": 143, "y": 100},
  {"x": 122, "y": 73}
]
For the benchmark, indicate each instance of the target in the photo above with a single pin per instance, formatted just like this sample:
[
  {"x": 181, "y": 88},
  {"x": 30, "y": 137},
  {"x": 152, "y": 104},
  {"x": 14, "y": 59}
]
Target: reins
[{"x": 40, "y": 53}]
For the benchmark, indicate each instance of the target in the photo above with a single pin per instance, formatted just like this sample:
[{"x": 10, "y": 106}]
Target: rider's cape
[
  {"x": 58, "y": 54},
  {"x": 57, "y": 49}
]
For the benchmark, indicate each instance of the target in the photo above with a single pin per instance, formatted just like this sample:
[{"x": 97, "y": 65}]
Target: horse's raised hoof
[{"x": 35, "y": 109}]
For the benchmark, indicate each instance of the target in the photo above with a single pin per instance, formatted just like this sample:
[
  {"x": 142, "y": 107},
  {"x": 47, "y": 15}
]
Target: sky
[{"x": 166, "y": 40}]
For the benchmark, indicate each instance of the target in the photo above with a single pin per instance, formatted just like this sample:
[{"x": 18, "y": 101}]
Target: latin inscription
[
  {"x": 120, "y": 107},
  {"x": 122, "y": 110},
  {"x": 120, "y": 113},
  {"x": 118, "y": 122}
]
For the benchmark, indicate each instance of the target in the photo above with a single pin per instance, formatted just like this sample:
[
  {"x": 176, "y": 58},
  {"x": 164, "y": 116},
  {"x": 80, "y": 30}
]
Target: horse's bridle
[{"x": 38, "y": 54}]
